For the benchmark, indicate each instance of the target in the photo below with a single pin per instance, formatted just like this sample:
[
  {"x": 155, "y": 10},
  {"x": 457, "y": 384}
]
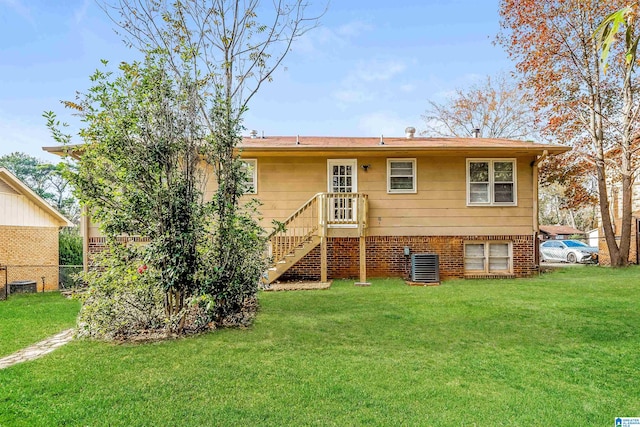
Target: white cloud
[
  {"x": 309, "y": 44},
  {"x": 377, "y": 70},
  {"x": 19, "y": 8},
  {"x": 352, "y": 96},
  {"x": 365, "y": 81},
  {"x": 407, "y": 88},
  {"x": 444, "y": 94},
  {"x": 354, "y": 28},
  {"x": 382, "y": 123},
  {"x": 315, "y": 42},
  {"x": 471, "y": 78},
  {"x": 80, "y": 13}
]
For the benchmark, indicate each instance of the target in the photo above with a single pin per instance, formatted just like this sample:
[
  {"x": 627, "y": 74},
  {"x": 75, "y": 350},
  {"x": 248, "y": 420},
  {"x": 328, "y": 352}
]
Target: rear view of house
[
  {"x": 28, "y": 234},
  {"x": 358, "y": 207}
]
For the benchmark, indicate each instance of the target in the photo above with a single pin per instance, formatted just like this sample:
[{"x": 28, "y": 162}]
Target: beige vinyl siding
[
  {"x": 438, "y": 208},
  {"x": 285, "y": 184},
  {"x": 18, "y": 210},
  {"x": 6, "y": 188}
]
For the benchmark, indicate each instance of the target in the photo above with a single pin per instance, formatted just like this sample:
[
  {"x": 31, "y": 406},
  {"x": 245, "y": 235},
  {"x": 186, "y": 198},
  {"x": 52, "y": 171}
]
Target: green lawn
[
  {"x": 28, "y": 318},
  {"x": 559, "y": 350}
]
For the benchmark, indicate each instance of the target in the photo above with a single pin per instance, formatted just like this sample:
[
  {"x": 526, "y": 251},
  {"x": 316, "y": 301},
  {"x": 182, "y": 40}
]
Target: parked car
[{"x": 571, "y": 251}]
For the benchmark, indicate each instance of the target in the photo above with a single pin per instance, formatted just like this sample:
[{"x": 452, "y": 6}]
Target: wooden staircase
[
  {"x": 295, "y": 255},
  {"x": 307, "y": 228}
]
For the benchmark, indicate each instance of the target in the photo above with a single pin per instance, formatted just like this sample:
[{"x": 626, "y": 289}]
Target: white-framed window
[
  {"x": 488, "y": 257},
  {"x": 250, "y": 167},
  {"x": 401, "y": 176},
  {"x": 491, "y": 182}
]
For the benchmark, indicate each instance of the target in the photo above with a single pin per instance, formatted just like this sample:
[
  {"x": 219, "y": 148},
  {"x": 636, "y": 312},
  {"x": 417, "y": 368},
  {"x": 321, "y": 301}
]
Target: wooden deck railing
[
  {"x": 295, "y": 230},
  {"x": 312, "y": 219}
]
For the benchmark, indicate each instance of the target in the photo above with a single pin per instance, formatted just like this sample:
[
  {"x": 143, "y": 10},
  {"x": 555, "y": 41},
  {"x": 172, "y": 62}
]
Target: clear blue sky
[{"x": 369, "y": 69}]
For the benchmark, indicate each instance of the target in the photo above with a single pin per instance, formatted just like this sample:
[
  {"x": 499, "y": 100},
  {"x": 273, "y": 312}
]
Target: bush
[
  {"x": 125, "y": 301},
  {"x": 70, "y": 247}
]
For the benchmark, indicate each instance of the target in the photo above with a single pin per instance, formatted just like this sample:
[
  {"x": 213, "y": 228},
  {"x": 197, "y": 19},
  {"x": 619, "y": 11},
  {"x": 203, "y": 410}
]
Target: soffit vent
[{"x": 425, "y": 268}]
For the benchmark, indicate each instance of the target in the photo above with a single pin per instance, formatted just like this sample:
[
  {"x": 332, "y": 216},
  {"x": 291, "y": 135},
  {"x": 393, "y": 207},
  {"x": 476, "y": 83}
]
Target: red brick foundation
[{"x": 385, "y": 256}]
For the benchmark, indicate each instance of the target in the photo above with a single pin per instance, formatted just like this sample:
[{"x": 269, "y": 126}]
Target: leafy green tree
[
  {"x": 139, "y": 172},
  {"x": 33, "y": 172},
  {"x": 224, "y": 47},
  {"x": 45, "y": 179},
  {"x": 153, "y": 134},
  {"x": 230, "y": 51}
]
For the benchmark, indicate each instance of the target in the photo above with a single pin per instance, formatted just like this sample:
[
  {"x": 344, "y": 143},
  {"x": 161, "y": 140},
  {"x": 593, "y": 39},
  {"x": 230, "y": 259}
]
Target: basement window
[{"x": 488, "y": 257}]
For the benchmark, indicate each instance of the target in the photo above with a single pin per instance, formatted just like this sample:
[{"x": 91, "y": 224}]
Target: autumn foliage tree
[
  {"x": 499, "y": 108},
  {"x": 568, "y": 193},
  {"x": 553, "y": 44}
]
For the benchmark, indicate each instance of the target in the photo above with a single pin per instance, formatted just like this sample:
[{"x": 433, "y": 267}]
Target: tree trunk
[
  {"x": 605, "y": 215},
  {"x": 627, "y": 168},
  {"x": 173, "y": 306}
]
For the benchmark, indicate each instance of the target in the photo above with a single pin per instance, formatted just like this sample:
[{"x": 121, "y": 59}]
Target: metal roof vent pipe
[
  {"x": 253, "y": 134},
  {"x": 410, "y": 132},
  {"x": 476, "y": 133}
]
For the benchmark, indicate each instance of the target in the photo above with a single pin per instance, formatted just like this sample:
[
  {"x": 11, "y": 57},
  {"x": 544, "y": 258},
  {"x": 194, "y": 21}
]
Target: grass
[
  {"x": 561, "y": 349},
  {"x": 28, "y": 318}
]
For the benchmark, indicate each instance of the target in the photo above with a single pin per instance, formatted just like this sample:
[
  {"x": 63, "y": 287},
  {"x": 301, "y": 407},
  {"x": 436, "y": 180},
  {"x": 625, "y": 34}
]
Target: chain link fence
[{"x": 38, "y": 278}]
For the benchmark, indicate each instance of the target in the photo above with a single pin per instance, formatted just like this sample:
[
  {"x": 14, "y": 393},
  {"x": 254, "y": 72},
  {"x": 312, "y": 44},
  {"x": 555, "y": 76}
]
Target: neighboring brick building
[{"x": 28, "y": 234}]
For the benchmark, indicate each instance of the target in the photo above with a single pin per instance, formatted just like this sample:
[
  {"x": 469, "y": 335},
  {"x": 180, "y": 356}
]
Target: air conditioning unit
[{"x": 425, "y": 268}]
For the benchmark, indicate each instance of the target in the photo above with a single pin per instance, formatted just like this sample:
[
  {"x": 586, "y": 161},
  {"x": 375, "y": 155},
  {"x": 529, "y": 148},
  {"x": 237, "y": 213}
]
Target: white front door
[{"x": 342, "y": 178}]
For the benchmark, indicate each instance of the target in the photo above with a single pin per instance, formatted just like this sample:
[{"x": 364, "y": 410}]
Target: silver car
[{"x": 571, "y": 251}]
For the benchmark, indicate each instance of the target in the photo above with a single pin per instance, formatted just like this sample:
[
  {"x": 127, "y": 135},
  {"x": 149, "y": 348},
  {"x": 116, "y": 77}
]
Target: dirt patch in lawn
[{"x": 298, "y": 286}]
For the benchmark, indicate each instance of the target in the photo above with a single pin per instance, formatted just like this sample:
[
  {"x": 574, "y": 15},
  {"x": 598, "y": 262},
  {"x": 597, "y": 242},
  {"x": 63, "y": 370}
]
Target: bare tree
[
  {"x": 497, "y": 107},
  {"x": 229, "y": 51}
]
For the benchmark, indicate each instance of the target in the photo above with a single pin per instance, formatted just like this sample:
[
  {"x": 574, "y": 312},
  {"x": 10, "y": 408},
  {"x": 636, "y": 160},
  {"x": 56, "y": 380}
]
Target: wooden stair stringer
[{"x": 289, "y": 260}]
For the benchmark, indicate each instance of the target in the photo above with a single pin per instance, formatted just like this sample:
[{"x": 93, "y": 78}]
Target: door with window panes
[{"x": 342, "y": 179}]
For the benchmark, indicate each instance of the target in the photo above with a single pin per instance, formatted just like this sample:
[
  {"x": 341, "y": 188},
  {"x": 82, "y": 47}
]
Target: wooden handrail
[
  {"x": 297, "y": 229},
  {"x": 296, "y": 213},
  {"x": 313, "y": 218}
]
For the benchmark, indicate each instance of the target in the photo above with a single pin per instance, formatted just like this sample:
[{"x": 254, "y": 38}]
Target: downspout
[{"x": 536, "y": 207}]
